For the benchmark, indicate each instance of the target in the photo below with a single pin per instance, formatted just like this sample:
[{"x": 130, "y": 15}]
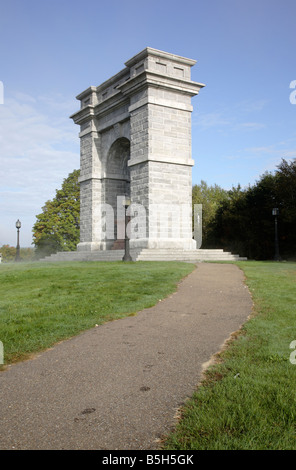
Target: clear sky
[{"x": 243, "y": 121}]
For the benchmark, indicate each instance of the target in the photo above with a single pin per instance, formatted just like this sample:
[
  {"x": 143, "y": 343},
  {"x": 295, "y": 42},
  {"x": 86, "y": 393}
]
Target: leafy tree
[
  {"x": 210, "y": 197},
  {"x": 57, "y": 227},
  {"x": 9, "y": 252},
  {"x": 286, "y": 202},
  {"x": 243, "y": 222}
]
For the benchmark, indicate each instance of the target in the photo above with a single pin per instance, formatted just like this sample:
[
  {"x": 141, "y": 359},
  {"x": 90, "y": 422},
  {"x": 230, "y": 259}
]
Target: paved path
[{"x": 118, "y": 386}]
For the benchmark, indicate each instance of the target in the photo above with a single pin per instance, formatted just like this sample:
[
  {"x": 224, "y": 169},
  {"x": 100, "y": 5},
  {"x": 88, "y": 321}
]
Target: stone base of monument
[{"x": 190, "y": 256}]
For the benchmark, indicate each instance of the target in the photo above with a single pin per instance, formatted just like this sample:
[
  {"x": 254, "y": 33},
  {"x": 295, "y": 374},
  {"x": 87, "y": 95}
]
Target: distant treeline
[
  {"x": 237, "y": 220},
  {"x": 9, "y": 252},
  {"x": 241, "y": 220}
]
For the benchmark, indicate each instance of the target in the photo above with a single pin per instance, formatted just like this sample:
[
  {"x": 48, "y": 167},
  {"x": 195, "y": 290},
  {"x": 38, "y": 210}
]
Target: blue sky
[{"x": 243, "y": 122}]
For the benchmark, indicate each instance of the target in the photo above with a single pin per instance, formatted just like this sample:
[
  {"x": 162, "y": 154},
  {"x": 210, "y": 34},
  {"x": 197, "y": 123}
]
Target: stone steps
[
  {"x": 146, "y": 255},
  {"x": 187, "y": 255},
  {"x": 108, "y": 255}
]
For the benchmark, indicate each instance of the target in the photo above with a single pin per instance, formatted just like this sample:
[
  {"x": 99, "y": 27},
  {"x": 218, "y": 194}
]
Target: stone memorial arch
[{"x": 135, "y": 133}]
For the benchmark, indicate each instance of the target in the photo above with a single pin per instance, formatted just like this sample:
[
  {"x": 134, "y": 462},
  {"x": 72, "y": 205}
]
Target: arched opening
[
  {"x": 117, "y": 183},
  {"x": 117, "y": 167}
]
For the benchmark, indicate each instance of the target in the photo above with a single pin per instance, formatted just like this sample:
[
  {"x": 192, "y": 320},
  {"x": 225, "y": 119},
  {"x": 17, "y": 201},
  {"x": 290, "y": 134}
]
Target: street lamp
[
  {"x": 275, "y": 213},
  {"x": 127, "y": 257},
  {"x": 18, "y": 226}
]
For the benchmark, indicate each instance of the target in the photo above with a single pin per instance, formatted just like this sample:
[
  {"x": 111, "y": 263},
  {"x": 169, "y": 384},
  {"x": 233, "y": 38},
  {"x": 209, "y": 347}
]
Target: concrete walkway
[{"x": 119, "y": 385}]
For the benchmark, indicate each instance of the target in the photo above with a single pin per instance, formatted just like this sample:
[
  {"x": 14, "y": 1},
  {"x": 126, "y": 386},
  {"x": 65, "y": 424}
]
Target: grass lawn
[
  {"x": 43, "y": 303},
  {"x": 247, "y": 401}
]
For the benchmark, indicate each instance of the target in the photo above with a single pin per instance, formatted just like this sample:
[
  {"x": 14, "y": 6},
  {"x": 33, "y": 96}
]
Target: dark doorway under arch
[{"x": 117, "y": 181}]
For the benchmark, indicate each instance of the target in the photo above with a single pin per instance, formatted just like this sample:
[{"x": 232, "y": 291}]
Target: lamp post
[
  {"x": 275, "y": 213},
  {"x": 127, "y": 257},
  {"x": 18, "y": 226}
]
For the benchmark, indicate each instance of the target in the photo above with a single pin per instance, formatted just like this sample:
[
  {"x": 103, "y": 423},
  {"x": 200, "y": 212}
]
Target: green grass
[
  {"x": 41, "y": 304},
  {"x": 247, "y": 400}
]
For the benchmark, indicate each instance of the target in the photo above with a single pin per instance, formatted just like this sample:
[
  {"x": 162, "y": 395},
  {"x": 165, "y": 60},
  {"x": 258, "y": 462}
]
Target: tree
[
  {"x": 9, "y": 252},
  {"x": 210, "y": 197},
  {"x": 243, "y": 222},
  {"x": 286, "y": 200},
  {"x": 57, "y": 227}
]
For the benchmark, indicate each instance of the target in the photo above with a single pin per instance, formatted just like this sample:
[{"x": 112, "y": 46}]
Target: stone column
[
  {"x": 90, "y": 173},
  {"x": 160, "y": 91}
]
